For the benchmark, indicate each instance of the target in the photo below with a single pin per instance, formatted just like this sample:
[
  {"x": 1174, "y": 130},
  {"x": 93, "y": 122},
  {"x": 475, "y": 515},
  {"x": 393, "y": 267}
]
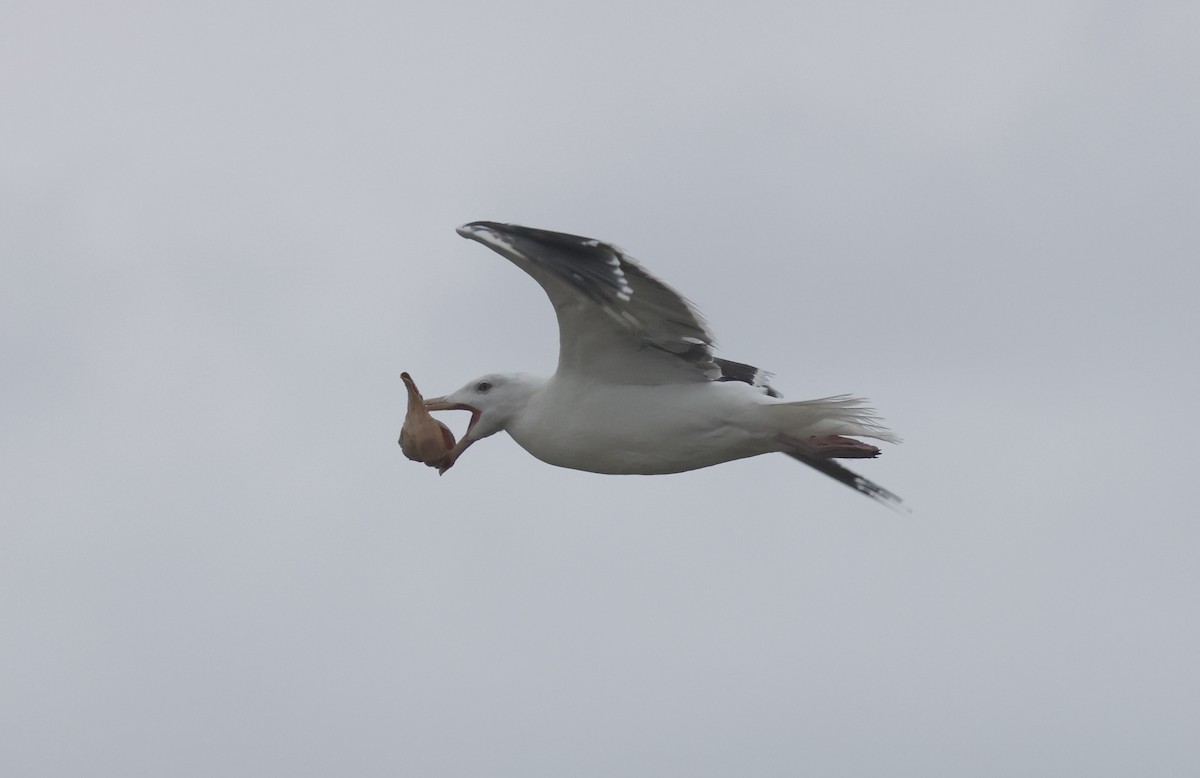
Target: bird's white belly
[{"x": 642, "y": 429}]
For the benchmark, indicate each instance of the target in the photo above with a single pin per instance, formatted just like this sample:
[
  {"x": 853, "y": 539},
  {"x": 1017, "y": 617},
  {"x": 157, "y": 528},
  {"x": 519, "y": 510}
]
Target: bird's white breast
[{"x": 642, "y": 429}]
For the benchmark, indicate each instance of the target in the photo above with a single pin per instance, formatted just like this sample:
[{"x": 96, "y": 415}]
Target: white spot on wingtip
[{"x": 485, "y": 235}]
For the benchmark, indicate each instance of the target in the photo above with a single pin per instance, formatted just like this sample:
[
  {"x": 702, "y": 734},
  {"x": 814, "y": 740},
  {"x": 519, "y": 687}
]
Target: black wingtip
[
  {"x": 472, "y": 229},
  {"x": 845, "y": 475}
]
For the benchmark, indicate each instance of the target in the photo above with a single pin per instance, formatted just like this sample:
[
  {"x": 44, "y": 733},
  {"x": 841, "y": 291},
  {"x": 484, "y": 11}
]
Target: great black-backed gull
[{"x": 637, "y": 389}]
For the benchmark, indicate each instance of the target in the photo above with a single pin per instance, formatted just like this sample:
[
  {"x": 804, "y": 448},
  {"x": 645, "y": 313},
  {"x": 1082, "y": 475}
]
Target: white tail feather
[{"x": 841, "y": 414}]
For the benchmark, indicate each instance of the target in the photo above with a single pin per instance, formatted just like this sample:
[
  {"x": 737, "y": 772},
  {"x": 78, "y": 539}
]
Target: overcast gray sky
[{"x": 226, "y": 229}]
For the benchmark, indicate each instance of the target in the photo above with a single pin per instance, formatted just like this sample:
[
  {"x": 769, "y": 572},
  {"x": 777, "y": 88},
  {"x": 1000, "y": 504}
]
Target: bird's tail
[
  {"x": 842, "y": 414},
  {"x": 813, "y": 432}
]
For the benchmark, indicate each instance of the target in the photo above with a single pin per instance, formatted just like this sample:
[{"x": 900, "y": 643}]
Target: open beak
[{"x": 440, "y": 404}]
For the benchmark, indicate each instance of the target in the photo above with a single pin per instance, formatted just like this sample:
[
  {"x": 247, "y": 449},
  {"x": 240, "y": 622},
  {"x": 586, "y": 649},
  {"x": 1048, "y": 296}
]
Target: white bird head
[{"x": 493, "y": 400}]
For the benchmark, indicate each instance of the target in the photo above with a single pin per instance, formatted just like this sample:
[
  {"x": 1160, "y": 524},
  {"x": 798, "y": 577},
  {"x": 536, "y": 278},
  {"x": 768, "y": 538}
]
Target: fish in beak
[
  {"x": 441, "y": 404},
  {"x": 423, "y": 438}
]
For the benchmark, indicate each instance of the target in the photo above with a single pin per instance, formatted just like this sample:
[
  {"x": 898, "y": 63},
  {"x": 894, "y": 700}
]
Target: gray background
[{"x": 227, "y": 227}]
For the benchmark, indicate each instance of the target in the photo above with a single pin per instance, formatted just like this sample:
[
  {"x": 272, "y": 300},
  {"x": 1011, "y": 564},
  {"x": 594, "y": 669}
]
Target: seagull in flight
[{"x": 637, "y": 389}]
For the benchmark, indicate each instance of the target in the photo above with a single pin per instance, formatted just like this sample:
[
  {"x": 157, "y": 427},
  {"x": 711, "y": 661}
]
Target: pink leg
[{"x": 832, "y": 447}]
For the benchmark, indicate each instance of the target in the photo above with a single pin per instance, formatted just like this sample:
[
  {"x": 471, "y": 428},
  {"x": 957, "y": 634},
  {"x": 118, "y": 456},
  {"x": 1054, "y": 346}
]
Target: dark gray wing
[{"x": 616, "y": 321}]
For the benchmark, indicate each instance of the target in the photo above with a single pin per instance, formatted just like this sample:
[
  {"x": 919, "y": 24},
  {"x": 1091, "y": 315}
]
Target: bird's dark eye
[{"x": 483, "y": 386}]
